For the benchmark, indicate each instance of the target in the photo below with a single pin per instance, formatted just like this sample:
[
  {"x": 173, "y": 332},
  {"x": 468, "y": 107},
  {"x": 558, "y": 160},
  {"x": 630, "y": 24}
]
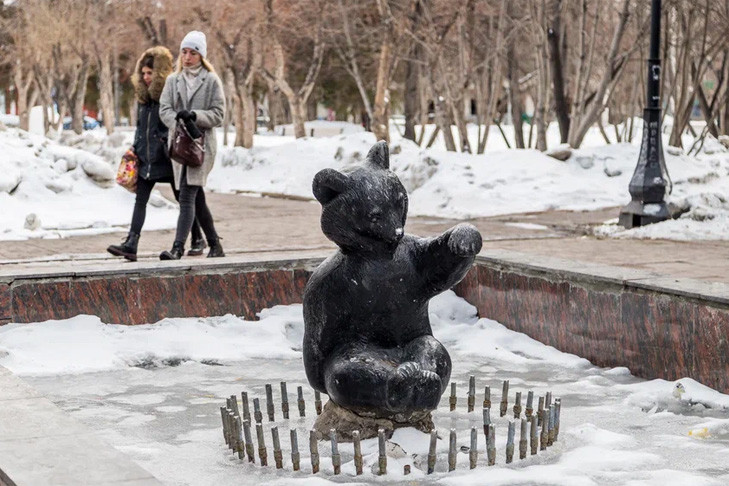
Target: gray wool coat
[{"x": 208, "y": 103}]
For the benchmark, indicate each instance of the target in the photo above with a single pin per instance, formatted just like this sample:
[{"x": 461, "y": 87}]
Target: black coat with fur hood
[{"x": 150, "y": 139}]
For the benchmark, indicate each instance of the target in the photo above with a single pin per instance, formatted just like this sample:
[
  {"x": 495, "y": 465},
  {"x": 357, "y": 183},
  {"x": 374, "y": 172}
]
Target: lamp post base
[{"x": 638, "y": 213}]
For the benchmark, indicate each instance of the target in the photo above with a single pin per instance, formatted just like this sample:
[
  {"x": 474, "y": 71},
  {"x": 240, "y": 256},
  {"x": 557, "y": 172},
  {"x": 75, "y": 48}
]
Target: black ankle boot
[
  {"x": 197, "y": 247},
  {"x": 128, "y": 249},
  {"x": 216, "y": 249},
  {"x": 175, "y": 253}
]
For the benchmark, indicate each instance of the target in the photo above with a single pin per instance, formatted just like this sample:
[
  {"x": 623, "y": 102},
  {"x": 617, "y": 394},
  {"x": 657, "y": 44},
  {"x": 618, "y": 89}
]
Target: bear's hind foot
[{"x": 413, "y": 388}]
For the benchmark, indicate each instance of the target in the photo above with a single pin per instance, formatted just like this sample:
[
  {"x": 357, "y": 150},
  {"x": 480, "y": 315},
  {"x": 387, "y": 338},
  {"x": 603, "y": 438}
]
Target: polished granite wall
[
  {"x": 622, "y": 319},
  {"x": 149, "y": 297},
  {"x": 655, "y": 326}
]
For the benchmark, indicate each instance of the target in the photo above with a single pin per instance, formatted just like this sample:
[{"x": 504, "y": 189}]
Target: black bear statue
[{"x": 368, "y": 343}]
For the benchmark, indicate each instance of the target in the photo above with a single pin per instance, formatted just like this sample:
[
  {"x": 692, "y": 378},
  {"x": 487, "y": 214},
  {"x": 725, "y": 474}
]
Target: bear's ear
[
  {"x": 379, "y": 155},
  {"x": 328, "y": 184}
]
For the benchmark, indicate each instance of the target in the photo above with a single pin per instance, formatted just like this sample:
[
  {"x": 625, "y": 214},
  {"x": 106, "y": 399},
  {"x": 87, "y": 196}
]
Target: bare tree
[
  {"x": 273, "y": 24},
  {"x": 233, "y": 26}
]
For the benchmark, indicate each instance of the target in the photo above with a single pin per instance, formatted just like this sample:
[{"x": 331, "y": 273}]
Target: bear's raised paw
[{"x": 464, "y": 240}]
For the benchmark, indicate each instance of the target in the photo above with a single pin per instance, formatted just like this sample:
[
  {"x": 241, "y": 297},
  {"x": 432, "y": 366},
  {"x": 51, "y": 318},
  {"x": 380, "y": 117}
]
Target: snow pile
[
  {"x": 96, "y": 346},
  {"x": 501, "y": 181},
  {"x": 439, "y": 183},
  {"x": 48, "y": 190},
  {"x": 158, "y": 395}
]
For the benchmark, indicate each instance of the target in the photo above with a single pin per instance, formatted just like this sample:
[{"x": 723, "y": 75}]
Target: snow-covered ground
[
  {"x": 49, "y": 190},
  {"x": 153, "y": 392},
  {"x": 56, "y": 181}
]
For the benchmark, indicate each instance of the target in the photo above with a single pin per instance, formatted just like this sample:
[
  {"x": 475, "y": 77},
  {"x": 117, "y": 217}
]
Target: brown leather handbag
[{"x": 185, "y": 149}]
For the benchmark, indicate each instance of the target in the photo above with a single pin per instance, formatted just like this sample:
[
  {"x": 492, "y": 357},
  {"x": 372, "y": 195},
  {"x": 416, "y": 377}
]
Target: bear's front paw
[{"x": 464, "y": 240}]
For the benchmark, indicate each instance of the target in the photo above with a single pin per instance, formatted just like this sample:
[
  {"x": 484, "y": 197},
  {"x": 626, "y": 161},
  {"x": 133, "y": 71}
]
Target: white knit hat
[{"x": 195, "y": 40}]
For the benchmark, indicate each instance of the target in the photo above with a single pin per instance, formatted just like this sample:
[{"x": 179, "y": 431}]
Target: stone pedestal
[{"x": 346, "y": 421}]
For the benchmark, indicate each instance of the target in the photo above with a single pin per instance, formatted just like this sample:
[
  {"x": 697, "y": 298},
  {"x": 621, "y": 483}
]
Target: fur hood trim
[
  {"x": 206, "y": 64},
  {"x": 163, "y": 65}
]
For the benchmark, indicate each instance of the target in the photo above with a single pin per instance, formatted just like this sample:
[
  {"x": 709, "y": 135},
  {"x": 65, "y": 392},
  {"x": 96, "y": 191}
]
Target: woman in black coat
[{"x": 150, "y": 146}]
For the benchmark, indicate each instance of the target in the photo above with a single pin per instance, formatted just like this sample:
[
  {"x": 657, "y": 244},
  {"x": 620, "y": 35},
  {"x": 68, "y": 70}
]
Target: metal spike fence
[{"x": 538, "y": 430}]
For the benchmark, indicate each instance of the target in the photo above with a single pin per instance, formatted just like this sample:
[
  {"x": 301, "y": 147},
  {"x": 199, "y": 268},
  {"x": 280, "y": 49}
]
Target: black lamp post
[{"x": 648, "y": 185}]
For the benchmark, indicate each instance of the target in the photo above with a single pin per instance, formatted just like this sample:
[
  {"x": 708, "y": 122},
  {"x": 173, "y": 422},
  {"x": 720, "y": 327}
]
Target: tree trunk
[
  {"x": 25, "y": 96},
  {"x": 492, "y": 81},
  {"x": 249, "y": 117},
  {"x": 561, "y": 105},
  {"x": 592, "y": 110},
  {"x": 515, "y": 97},
  {"x": 457, "y": 112},
  {"x": 227, "y": 76},
  {"x": 380, "y": 122},
  {"x": 276, "y": 111},
  {"x": 298, "y": 114},
  {"x": 444, "y": 122},
  {"x": 411, "y": 102},
  {"x": 77, "y": 108},
  {"x": 106, "y": 92},
  {"x": 133, "y": 111}
]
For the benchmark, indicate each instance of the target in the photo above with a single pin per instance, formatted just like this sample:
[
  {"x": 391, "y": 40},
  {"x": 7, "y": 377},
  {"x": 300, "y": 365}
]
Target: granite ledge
[{"x": 620, "y": 278}]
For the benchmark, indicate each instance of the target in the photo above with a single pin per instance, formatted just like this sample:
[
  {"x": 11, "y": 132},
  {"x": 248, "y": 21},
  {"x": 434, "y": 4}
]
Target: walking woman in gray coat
[
  {"x": 193, "y": 95},
  {"x": 150, "y": 146}
]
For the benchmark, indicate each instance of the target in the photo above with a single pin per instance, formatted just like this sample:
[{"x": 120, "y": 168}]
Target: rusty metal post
[
  {"x": 471, "y": 393},
  {"x": 239, "y": 444},
  {"x": 491, "y": 447},
  {"x": 504, "y": 399},
  {"x": 317, "y": 402},
  {"x": 244, "y": 404},
  {"x": 382, "y": 459},
  {"x": 452, "y": 451},
  {"x": 510, "y": 442},
  {"x": 314, "y": 450},
  {"x": 257, "y": 415},
  {"x": 523, "y": 439},
  {"x": 517, "y": 405},
  {"x": 295, "y": 456},
  {"x": 302, "y": 403},
  {"x": 231, "y": 429},
  {"x": 530, "y": 404},
  {"x": 486, "y": 423},
  {"x": 358, "y": 462},
  {"x": 234, "y": 407},
  {"x": 284, "y": 401},
  {"x": 453, "y": 399},
  {"x": 473, "y": 451},
  {"x": 224, "y": 420},
  {"x": 336, "y": 457},
  {"x": 487, "y": 397},
  {"x": 250, "y": 451},
  {"x": 262, "y": 453},
  {"x": 270, "y": 407},
  {"x": 550, "y": 426},
  {"x": 431, "y": 451},
  {"x": 277, "y": 453},
  {"x": 558, "y": 404}
]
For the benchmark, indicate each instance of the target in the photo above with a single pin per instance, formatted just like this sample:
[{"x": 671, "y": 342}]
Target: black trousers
[
  {"x": 192, "y": 205},
  {"x": 144, "y": 189}
]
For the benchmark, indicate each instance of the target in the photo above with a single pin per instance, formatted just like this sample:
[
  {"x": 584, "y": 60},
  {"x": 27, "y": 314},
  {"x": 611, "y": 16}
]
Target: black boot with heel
[
  {"x": 216, "y": 249},
  {"x": 128, "y": 249},
  {"x": 175, "y": 253}
]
